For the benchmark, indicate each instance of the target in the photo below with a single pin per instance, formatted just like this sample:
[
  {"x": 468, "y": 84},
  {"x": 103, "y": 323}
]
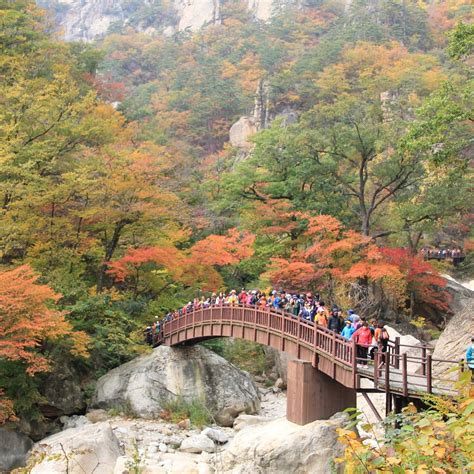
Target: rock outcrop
[
  {"x": 193, "y": 14},
  {"x": 279, "y": 362},
  {"x": 14, "y": 447},
  {"x": 144, "y": 385},
  {"x": 456, "y": 337},
  {"x": 241, "y": 131},
  {"x": 86, "y": 20},
  {"x": 89, "y": 448},
  {"x": 280, "y": 446},
  {"x": 62, "y": 392}
]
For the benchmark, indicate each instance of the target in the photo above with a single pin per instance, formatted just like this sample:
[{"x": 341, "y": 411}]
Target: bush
[
  {"x": 179, "y": 409},
  {"x": 438, "y": 440},
  {"x": 246, "y": 355}
]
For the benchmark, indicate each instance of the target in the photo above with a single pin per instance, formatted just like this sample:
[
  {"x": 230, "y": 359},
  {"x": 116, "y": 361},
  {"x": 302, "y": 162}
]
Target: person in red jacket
[{"x": 363, "y": 339}]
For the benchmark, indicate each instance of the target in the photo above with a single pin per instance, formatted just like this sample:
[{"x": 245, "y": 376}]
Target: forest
[{"x": 122, "y": 197}]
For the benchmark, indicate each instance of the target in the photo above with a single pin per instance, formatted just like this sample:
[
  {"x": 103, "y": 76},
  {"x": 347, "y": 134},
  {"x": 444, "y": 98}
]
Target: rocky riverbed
[{"x": 263, "y": 443}]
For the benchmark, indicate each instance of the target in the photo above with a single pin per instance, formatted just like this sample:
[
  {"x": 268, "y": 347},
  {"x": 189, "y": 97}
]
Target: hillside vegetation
[{"x": 122, "y": 198}]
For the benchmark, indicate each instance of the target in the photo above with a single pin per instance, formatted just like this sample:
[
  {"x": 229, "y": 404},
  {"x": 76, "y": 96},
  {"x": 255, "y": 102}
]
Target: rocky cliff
[{"x": 86, "y": 20}]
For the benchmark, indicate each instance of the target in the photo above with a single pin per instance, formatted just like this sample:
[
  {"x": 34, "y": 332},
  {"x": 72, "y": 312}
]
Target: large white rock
[
  {"x": 194, "y": 14},
  {"x": 217, "y": 436},
  {"x": 84, "y": 19},
  {"x": 261, "y": 9},
  {"x": 241, "y": 131},
  {"x": 243, "y": 421},
  {"x": 456, "y": 337},
  {"x": 89, "y": 448},
  {"x": 280, "y": 446},
  {"x": 197, "y": 444},
  {"x": 145, "y": 384}
]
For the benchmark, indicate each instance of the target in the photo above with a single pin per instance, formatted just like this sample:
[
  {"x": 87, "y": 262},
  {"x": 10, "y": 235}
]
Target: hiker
[
  {"x": 348, "y": 330},
  {"x": 470, "y": 358},
  {"x": 233, "y": 300},
  {"x": 381, "y": 337},
  {"x": 363, "y": 339},
  {"x": 334, "y": 323}
]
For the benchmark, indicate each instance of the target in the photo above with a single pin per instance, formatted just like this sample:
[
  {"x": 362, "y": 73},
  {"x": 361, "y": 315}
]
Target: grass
[{"x": 179, "y": 409}]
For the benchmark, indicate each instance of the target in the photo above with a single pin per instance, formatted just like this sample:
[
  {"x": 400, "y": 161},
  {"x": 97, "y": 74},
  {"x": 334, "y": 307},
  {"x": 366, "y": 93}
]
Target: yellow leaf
[
  {"x": 440, "y": 452},
  {"x": 393, "y": 460}
]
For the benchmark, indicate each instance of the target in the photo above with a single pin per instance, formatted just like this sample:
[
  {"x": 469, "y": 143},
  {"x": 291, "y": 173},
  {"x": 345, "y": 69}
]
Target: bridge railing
[
  {"x": 402, "y": 369},
  {"x": 279, "y": 322}
]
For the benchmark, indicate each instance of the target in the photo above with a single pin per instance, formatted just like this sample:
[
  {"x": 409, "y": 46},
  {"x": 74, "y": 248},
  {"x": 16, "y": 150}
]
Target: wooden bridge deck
[{"x": 406, "y": 375}]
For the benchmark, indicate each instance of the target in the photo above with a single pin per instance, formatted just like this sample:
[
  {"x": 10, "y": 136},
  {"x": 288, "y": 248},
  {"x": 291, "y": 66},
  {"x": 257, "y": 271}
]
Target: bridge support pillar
[{"x": 312, "y": 395}]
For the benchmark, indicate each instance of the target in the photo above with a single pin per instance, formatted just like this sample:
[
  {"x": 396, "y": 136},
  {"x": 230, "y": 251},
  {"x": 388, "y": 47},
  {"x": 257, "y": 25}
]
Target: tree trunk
[{"x": 109, "y": 252}]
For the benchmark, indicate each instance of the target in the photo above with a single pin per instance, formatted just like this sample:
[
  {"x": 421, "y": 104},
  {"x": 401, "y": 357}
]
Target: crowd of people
[
  {"x": 441, "y": 254},
  {"x": 368, "y": 335}
]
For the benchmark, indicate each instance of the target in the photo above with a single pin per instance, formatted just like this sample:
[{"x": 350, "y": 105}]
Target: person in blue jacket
[
  {"x": 470, "y": 358},
  {"x": 348, "y": 330}
]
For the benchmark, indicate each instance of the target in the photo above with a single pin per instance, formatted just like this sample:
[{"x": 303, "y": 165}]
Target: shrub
[
  {"x": 440, "y": 440},
  {"x": 179, "y": 409}
]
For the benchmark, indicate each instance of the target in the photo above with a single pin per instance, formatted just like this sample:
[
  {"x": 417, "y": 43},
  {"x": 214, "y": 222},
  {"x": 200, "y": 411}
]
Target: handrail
[{"x": 392, "y": 372}]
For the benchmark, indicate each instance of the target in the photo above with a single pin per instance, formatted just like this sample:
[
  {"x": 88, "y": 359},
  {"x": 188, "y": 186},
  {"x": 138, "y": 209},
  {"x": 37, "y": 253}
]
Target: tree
[
  {"x": 26, "y": 320},
  {"x": 423, "y": 282},
  {"x": 333, "y": 259},
  {"x": 29, "y": 321},
  {"x": 158, "y": 268},
  {"x": 342, "y": 156}
]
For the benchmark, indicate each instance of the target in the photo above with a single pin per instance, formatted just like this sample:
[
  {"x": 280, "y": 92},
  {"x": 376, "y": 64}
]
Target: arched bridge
[{"x": 326, "y": 374}]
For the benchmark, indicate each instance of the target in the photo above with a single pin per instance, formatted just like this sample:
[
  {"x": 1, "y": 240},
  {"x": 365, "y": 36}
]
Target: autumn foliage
[
  {"x": 28, "y": 318},
  {"x": 420, "y": 277},
  {"x": 330, "y": 254},
  {"x": 192, "y": 267}
]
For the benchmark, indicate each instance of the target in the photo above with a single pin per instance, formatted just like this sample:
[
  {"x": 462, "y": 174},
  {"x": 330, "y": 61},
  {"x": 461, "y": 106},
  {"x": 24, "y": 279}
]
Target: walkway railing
[{"x": 404, "y": 370}]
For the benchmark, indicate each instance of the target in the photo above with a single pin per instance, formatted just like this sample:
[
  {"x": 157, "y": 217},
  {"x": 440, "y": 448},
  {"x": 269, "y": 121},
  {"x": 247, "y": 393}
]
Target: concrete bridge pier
[{"x": 312, "y": 395}]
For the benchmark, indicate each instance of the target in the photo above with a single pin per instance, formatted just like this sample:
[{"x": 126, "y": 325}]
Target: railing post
[
  {"x": 397, "y": 352},
  {"x": 423, "y": 357},
  {"x": 298, "y": 347},
  {"x": 404, "y": 374},
  {"x": 354, "y": 363},
  {"x": 429, "y": 381},
  {"x": 376, "y": 368},
  {"x": 268, "y": 324},
  {"x": 333, "y": 342},
  {"x": 387, "y": 380},
  {"x": 461, "y": 368},
  {"x": 315, "y": 355},
  {"x": 282, "y": 342}
]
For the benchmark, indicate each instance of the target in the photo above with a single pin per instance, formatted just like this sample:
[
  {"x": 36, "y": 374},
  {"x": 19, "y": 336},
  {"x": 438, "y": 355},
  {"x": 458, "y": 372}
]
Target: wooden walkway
[{"x": 408, "y": 370}]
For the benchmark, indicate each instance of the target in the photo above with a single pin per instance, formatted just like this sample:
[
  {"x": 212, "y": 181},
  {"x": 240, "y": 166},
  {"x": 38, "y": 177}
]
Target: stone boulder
[
  {"x": 62, "y": 392},
  {"x": 146, "y": 384},
  {"x": 197, "y": 444},
  {"x": 243, "y": 421},
  {"x": 279, "y": 362},
  {"x": 241, "y": 131},
  {"x": 217, "y": 436},
  {"x": 194, "y": 14},
  {"x": 89, "y": 448},
  {"x": 280, "y": 446},
  {"x": 14, "y": 447}
]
